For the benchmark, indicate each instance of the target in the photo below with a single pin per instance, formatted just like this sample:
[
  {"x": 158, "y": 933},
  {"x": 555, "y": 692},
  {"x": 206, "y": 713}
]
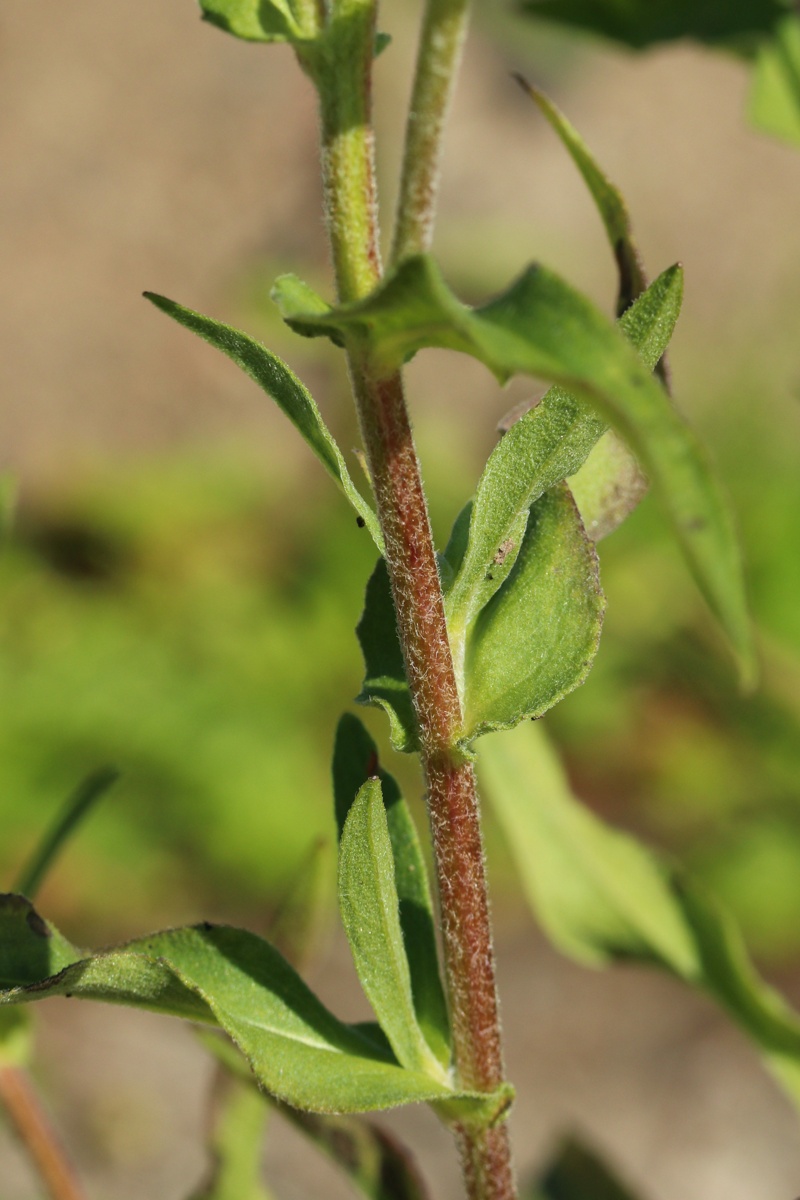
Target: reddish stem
[{"x": 38, "y": 1136}]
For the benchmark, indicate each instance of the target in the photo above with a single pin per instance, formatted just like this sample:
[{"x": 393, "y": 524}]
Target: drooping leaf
[
  {"x": 603, "y": 897},
  {"x": 535, "y": 639},
  {"x": 385, "y": 684},
  {"x": 640, "y": 23},
  {"x": 355, "y": 760},
  {"x": 370, "y": 914},
  {"x": 775, "y": 95},
  {"x": 547, "y": 444},
  {"x": 296, "y": 1048},
  {"x": 607, "y": 197},
  {"x": 254, "y": 20},
  {"x": 77, "y": 806},
  {"x": 282, "y": 385},
  {"x": 236, "y": 1144},
  {"x": 541, "y": 326},
  {"x": 578, "y": 1173}
]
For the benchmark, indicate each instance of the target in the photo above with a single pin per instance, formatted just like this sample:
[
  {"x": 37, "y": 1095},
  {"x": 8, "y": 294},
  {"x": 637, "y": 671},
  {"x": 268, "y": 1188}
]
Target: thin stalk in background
[
  {"x": 442, "y": 37},
  {"x": 352, "y": 219},
  {"x": 33, "y": 1127}
]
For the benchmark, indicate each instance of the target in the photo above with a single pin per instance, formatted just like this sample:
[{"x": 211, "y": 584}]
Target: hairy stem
[
  {"x": 442, "y": 37},
  {"x": 35, "y": 1131},
  {"x": 344, "y": 85}
]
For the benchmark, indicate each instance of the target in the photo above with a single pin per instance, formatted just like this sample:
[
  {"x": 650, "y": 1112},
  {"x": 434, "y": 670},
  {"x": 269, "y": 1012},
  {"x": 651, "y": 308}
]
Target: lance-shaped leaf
[
  {"x": 355, "y": 760},
  {"x": 282, "y": 385},
  {"x": 603, "y": 897},
  {"x": 541, "y": 326},
  {"x": 254, "y": 20},
  {"x": 547, "y": 444},
  {"x": 385, "y": 684},
  {"x": 371, "y": 917},
  {"x": 775, "y": 95},
  {"x": 607, "y": 197},
  {"x": 578, "y": 1173},
  {"x": 298, "y": 1050},
  {"x": 640, "y": 23},
  {"x": 535, "y": 640}
]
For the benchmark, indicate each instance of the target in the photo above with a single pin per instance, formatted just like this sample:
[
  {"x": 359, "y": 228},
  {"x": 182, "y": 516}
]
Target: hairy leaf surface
[
  {"x": 281, "y": 385},
  {"x": 370, "y": 913},
  {"x": 603, "y": 897},
  {"x": 298, "y": 1050},
  {"x": 535, "y": 639},
  {"x": 355, "y": 760}
]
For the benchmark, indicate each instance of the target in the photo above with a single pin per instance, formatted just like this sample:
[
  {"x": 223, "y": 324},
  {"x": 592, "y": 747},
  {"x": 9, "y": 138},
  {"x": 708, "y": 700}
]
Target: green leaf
[
  {"x": 608, "y": 486},
  {"x": 640, "y": 23},
  {"x": 370, "y": 913},
  {"x": 355, "y": 760},
  {"x": 296, "y": 1048},
  {"x": 775, "y": 95},
  {"x": 541, "y": 326},
  {"x": 535, "y": 639},
  {"x": 254, "y": 20},
  {"x": 603, "y": 897},
  {"x": 283, "y": 386},
  {"x": 385, "y": 683},
  {"x": 236, "y": 1143},
  {"x": 78, "y": 805},
  {"x": 550, "y": 442},
  {"x": 578, "y": 1173},
  {"x": 608, "y": 199},
  {"x": 16, "y": 1038}
]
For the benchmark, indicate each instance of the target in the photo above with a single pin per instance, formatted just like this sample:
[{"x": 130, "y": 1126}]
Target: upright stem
[
  {"x": 442, "y": 37},
  {"x": 35, "y": 1131},
  {"x": 351, "y": 209}
]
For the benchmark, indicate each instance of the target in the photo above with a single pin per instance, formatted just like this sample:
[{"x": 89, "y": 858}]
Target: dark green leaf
[
  {"x": 236, "y": 1144},
  {"x": 535, "y": 639},
  {"x": 577, "y": 1173},
  {"x": 254, "y": 20},
  {"x": 355, "y": 760},
  {"x": 775, "y": 97},
  {"x": 76, "y": 808},
  {"x": 640, "y": 23},
  {"x": 371, "y": 917},
  {"x": 283, "y": 386},
  {"x": 385, "y": 683},
  {"x": 547, "y": 444},
  {"x": 296, "y": 1048},
  {"x": 603, "y": 897}
]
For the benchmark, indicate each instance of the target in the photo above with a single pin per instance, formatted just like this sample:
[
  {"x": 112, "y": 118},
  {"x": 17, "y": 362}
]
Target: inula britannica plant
[{"x": 463, "y": 642}]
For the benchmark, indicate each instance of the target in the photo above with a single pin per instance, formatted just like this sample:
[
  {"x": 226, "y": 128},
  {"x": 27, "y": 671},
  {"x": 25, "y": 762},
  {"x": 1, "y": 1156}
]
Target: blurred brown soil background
[{"x": 141, "y": 149}]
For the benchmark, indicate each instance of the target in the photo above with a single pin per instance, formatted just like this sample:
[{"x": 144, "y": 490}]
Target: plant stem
[
  {"x": 351, "y": 210},
  {"x": 444, "y": 29},
  {"x": 35, "y": 1131}
]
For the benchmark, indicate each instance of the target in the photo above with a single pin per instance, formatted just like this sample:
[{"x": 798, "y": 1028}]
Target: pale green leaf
[
  {"x": 282, "y": 385},
  {"x": 295, "y": 1047},
  {"x": 355, "y": 760},
  {"x": 535, "y": 639},
  {"x": 254, "y": 20},
  {"x": 385, "y": 683},
  {"x": 16, "y": 1037},
  {"x": 775, "y": 95},
  {"x": 608, "y": 486},
  {"x": 603, "y": 897},
  {"x": 370, "y": 913},
  {"x": 236, "y": 1144},
  {"x": 550, "y": 442}
]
